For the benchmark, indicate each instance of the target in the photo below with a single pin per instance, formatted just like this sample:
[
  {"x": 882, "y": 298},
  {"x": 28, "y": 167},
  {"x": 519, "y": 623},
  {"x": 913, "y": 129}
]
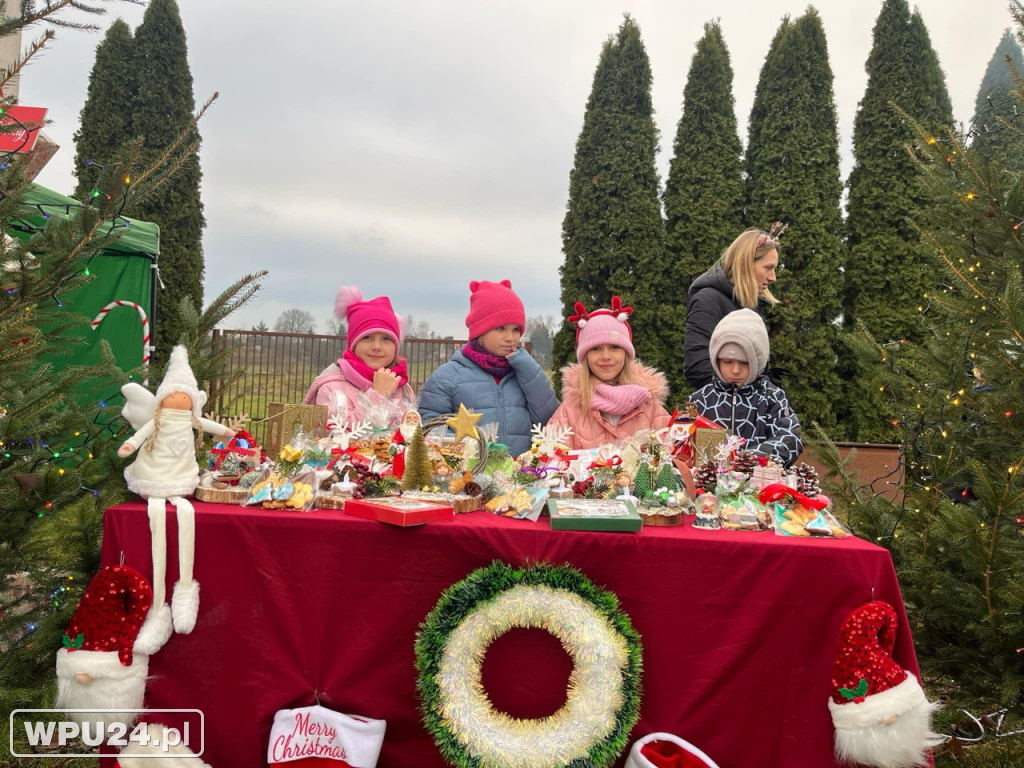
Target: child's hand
[
  {"x": 125, "y": 450},
  {"x": 385, "y": 381},
  {"x": 515, "y": 348}
]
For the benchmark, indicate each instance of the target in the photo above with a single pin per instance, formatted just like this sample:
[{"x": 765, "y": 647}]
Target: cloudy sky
[{"x": 409, "y": 147}]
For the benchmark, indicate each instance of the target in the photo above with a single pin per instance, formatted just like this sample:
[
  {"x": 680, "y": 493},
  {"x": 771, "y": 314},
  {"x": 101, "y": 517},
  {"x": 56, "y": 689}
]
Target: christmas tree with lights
[
  {"x": 955, "y": 398},
  {"x": 60, "y": 421}
]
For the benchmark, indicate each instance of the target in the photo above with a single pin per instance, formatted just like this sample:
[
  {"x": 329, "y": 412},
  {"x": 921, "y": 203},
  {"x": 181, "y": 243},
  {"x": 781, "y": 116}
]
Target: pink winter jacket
[
  {"x": 331, "y": 381},
  {"x": 591, "y": 429}
]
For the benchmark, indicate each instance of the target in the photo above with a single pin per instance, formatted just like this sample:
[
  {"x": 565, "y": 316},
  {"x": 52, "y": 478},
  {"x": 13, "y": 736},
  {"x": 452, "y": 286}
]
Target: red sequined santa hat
[
  {"x": 110, "y": 613},
  {"x": 879, "y": 710}
]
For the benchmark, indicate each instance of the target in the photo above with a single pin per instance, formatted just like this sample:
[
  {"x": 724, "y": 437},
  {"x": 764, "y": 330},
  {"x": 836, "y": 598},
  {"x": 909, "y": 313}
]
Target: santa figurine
[
  {"x": 401, "y": 439},
  {"x": 169, "y": 429},
  {"x": 105, "y": 658},
  {"x": 881, "y": 715}
]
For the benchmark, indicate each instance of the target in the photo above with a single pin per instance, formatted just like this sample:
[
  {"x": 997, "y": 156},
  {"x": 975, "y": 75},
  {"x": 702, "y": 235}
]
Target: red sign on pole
[{"x": 19, "y": 127}]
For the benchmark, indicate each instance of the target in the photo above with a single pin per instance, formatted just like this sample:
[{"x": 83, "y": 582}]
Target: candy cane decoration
[{"x": 145, "y": 331}]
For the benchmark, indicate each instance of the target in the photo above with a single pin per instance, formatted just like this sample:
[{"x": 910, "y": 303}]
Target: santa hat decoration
[
  {"x": 110, "y": 613},
  {"x": 105, "y": 658},
  {"x": 317, "y": 736},
  {"x": 179, "y": 378},
  {"x": 366, "y": 317},
  {"x": 602, "y": 326},
  {"x": 666, "y": 750},
  {"x": 879, "y": 710}
]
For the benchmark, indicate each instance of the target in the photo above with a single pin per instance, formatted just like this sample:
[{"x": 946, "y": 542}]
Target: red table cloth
[{"x": 738, "y": 628}]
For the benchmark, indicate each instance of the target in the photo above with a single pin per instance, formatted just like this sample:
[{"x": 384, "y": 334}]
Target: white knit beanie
[
  {"x": 179, "y": 378},
  {"x": 743, "y": 328}
]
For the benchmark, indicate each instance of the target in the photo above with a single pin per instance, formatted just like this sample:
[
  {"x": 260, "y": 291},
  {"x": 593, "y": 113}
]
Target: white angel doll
[{"x": 166, "y": 470}]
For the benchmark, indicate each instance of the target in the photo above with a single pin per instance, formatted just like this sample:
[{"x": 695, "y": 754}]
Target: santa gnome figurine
[
  {"x": 881, "y": 715},
  {"x": 105, "y": 658}
]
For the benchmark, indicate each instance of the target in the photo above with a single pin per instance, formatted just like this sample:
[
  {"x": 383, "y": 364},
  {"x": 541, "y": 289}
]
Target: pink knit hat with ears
[
  {"x": 602, "y": 326},
  {"x": 366, "y": 317},
  {"x": 492, "y": 305}
]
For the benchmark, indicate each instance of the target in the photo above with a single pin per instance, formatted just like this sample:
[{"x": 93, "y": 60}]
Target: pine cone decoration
[
  {"x": 807, "y": 480},
  {"x": 706, "y": 476},
  {"x": 472, "y": 488},
  {"x": 745, "y": 462}
]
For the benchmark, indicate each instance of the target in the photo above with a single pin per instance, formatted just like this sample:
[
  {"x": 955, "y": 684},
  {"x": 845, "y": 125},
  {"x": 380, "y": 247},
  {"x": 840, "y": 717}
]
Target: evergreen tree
[
  {"x": 161, "y": 112},
  {"x": 793, "y": 176},
  {"x": 613, "y": 234},
  {"x": 956, "y": 536},
  {"x": 704, "y": 191},
  {"x": 667, "y": 477},
  {"x": 105, "y": 122},
  {"x": 642, "y": 481},
  {"x": 997, "y": 141},
  {"x": 887, "y": 269},
  {"x": 418, "y": 470}
]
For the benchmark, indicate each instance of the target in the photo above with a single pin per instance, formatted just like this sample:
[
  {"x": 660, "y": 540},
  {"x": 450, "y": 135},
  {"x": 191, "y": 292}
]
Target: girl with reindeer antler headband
[
  {"x": 741, "y": 278},
  {"x": 609, "y": 395}
]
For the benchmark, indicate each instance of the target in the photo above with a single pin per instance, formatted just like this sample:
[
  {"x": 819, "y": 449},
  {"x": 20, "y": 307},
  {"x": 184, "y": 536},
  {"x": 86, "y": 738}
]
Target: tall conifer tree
[
  {"x": 105, "y": 122},
  {"x": 704, "y": 192},
  {"x": 162, "y": 111},
  {"x": 613, "y": 233},
  {"x": 996, "y": 142},
  {"x": 793, "y": 176},
  {"x": 888, "y": 271}
]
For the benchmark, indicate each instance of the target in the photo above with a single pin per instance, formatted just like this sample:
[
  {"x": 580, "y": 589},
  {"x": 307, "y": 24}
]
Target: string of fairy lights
[{"x": 917, "y": 427}]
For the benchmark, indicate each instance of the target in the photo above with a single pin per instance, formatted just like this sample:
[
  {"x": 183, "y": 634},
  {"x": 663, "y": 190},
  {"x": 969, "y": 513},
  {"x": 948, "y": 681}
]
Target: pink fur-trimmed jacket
[
  {"x": 332, "y": 389},
  {"x": 592, "y": 429}
]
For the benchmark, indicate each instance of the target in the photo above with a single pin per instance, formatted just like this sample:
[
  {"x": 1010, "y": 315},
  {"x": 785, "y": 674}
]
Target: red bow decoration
[
  {"x": 232, "y": 446},
  {"x": 778, "y": 491}
]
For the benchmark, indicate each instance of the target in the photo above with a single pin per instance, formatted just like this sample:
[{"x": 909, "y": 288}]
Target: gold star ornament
[{"x": 464, "y": 424}]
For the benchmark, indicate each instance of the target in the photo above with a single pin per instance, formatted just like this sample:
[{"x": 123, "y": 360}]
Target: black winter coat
[
  {"x": 708, "y": 301},
  {"x": 760, "y": 413}
]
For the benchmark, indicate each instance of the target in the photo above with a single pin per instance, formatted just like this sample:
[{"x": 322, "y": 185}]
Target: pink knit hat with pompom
[
  {"x": 602, "y": 326},
  {"x": 366, "y": 317}
]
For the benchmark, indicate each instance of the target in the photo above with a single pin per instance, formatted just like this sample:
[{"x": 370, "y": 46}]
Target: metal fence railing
[{"x": 279, "y": 367}]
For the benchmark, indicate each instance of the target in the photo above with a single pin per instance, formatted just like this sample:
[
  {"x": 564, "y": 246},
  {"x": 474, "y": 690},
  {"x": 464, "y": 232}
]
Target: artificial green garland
[{"x": 604, "y": 688}]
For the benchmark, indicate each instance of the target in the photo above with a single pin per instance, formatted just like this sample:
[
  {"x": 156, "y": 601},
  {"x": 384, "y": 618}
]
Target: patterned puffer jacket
[{"x": 758, "y": 412}]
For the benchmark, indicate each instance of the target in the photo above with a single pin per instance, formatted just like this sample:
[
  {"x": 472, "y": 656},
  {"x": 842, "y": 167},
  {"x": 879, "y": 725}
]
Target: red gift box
[{"x": 398, "y": 511}]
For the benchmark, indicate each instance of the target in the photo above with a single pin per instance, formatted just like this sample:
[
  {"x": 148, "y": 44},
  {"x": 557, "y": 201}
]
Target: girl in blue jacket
[{"x": 492, "y": 375}]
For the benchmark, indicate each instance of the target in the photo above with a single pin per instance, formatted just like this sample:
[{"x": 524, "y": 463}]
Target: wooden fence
[{"x": 279, "y": 367}]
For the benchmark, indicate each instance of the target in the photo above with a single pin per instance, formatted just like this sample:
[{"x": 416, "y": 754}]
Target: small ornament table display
[
  {"x": 603, "y": 700},
  {"x": 233, "y": 469}
]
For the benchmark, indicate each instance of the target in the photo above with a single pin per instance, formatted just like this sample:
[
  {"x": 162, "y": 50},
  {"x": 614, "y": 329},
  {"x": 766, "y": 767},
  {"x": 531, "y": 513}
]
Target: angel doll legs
[{"x": 185, "y": 603}]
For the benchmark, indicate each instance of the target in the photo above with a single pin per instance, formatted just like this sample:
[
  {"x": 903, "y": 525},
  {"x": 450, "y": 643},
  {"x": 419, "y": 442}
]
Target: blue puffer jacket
[
  {"x": 759, "y": 413},
  {"x": 520, "y": 400}
]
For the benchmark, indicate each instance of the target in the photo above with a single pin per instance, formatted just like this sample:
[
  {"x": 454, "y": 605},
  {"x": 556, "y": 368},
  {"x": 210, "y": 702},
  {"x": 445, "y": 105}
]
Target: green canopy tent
[{"x": 122, "y": 271}]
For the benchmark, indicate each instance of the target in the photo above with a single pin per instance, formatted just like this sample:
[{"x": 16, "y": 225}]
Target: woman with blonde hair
[
  {"x": 610, "y": 395},
  {"x": 739, "y": 279}
]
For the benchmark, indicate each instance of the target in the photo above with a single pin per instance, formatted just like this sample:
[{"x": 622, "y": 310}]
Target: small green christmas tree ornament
[
  {"x": 642, "y": 481},
  {"x": 667, "y": 477},
  {"x": 418, "y": 469}
]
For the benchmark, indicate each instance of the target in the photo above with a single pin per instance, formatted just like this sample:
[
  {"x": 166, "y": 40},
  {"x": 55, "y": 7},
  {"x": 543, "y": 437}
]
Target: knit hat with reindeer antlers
[{"x": 602, "y": 326}]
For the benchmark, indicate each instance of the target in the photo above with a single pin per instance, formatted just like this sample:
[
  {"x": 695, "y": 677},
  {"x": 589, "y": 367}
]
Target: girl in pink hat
[
  {"x": 492, "y": 374},
  {"x": 370, "y": 373},
  {"x": 610, "y": 395}
]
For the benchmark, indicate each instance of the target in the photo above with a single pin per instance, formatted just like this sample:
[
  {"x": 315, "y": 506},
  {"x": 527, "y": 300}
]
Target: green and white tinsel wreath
[{"x": 603, "y": 699}]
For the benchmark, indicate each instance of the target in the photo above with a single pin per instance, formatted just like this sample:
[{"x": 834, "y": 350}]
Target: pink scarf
[
  {"x": 360, "y": 374},
  {"x": 619, "y": 399}
]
